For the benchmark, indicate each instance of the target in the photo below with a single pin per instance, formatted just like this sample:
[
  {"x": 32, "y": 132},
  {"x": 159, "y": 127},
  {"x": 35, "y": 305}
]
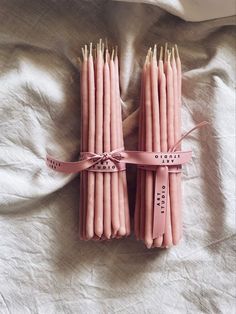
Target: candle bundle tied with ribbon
[
  {"x": 104, "y": 211},
  {"x": 158, "y": 215}
]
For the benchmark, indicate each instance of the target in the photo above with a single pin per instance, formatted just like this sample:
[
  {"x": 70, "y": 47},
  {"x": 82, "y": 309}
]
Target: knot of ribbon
[{"x": 104, "y": 162}]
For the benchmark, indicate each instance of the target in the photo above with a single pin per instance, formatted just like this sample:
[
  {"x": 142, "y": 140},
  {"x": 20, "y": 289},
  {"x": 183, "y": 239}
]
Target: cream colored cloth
[{"x": 44, "y": 268}]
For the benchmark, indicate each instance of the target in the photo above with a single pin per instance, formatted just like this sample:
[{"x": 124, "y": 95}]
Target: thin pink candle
[
  {"x": 114, "y": 176},
  {"x": 178, "y": 130},
  {"x": 84, "y": 142},
  {"x": 171, "y": 141},
  {"x": 177, "y": 136},
  {"x": 107, "y": 148},
  {"x": 155, "y": 119},
  {"x": 143, "y": 172},
  {"x": 98, "y": 222},
  {"x": 148, "y": 148},
  {"x": 91, "y": 148},
  {"x": 167, "y": 238}
]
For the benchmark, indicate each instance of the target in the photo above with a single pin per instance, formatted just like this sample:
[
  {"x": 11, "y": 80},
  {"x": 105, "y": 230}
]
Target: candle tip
[
  {"x": 168, "y": 55},
  {"x": 155, "y": 51},
  {"x": 161, "y": 54},
  {"x": 116, "y": 51},
  {"x": 148, "y": 243},
  {"x": 177, "y": 51},
  {"x": 90, "y": 49},
  {"x": 112, "y": 54},
  {"x": 165, "y": 52},
  {"x": 173, "y": 54},
  {"x": 149, "y": 55}
]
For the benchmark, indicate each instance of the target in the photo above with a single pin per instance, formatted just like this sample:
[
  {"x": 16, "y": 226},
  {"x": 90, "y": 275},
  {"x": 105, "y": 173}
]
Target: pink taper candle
[
  {"x": 155, "y": 119},
  {"x": 143, "y": 172},
  {"x": 107, "y": 148},
  {"x": 98, "y": 221},
  {"x": 84, "y": 146},
  {"x": 179, "y": 88},
  {"x": 148, "y": 147},
  {"x": 177, "y": 136},
  {"x": 171, "y": 141},
  {"x": 114, "y": 176},
  {"x": 167, "y": 241},
  {"x": 91, "y": 148}
]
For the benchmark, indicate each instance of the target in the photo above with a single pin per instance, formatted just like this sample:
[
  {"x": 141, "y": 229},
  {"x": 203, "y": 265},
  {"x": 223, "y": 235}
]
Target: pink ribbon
[
  {"x": 116, "y": 160},
  {"x": 105, "y": 162},
  {"x": 161, "y": 162}
]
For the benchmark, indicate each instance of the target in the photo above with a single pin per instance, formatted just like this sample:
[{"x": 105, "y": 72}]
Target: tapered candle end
[
  {"x": 173, "y": 53},
  {"x": 98, "y": 230},
  {"x": 107, "y": 235},
  {"x": 177, "y": 51},
  {"x": 122, "y": 231},
  {"x": 112, "y": 54},
  {"x": 176, "y": 240},
  {"x": 167, "y": 243},
  {"x": 158, "y": 242},
  {"x": 166, "y": 52},
  {"x": 89, "y": 235},
  {"x": 155, "y": 52},
  {"x": 148, "y": 242},
  {"x": 90, "y": 49}
]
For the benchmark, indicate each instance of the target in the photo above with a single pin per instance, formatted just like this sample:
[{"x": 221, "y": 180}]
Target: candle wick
[
  {"x": 161, "y": 54},
  {"x": 166, "y": 52}
]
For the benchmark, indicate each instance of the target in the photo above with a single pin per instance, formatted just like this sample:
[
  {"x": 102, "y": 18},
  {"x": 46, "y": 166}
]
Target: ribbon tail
[
  {"x": 160, "y": 201},
  {"x": 69, "y": 167}
]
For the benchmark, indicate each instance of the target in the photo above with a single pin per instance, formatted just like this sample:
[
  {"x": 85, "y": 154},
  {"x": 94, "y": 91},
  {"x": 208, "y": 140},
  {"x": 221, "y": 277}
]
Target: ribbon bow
[{"x": 105, "y": 162}]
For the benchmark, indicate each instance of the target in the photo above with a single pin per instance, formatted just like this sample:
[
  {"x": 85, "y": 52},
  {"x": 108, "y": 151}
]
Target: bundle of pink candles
[
  {"x": 104, "y": 211},
  {"x": 160, "y": 129}
]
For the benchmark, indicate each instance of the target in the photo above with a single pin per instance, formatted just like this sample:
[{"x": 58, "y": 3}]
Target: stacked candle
[
  {"x": 160, "y": 126},
  {"x": 104, "y": 211}
]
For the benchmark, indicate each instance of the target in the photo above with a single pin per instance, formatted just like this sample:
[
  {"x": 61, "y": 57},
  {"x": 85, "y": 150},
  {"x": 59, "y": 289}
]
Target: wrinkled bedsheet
[{"x": 44, "y": 267}]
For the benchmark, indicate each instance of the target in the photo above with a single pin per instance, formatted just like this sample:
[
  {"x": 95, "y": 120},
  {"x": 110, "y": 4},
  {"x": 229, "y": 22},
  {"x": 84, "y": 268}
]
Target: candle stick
[
  {"x": 155, "y": 119},
  {"x": 91, "y": 146},
  {"x": 177, "y": 136},
  {"x": 84, "y": 137},
  {"x": 148, "y": 147},
  {"x": 178, "y": 130},
  {"x": 143, "y": 172},
  {"x": 171, "y": 141},
  {"x": 107, "y": 148},
  {"x": 98, "y": 228},
  {"x": 114, "y": 175},
  {"x": 81, "y": 200},
  {"x": 167, "y": 239}
]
